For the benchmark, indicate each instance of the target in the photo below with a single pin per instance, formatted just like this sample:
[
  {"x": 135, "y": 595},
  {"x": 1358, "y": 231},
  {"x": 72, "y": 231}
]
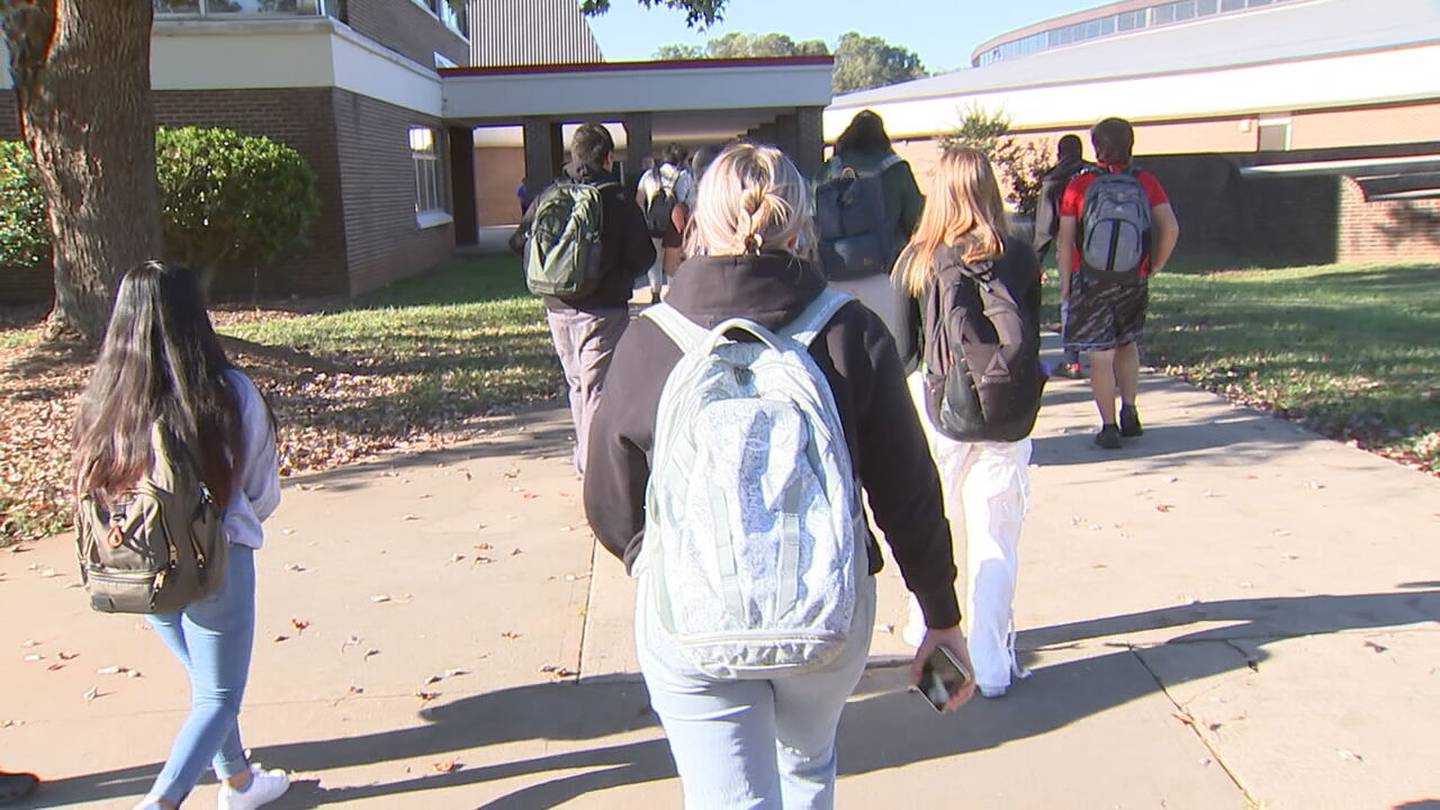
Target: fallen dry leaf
[
  {"x": 379, "y": 598},
  {"x": 1379, "y": 648},
  {"x": 1163, "y": 507},
  {"x": 509, "y": 635},
  {"x": 280, "y": 638},
  {"x": 92, "y": 693},
  {"x": 299, "y": 625},
  {"x": 55, "y": 667},
  {"x": 68, "y": 656},
  {"x": 368, "y": 653},
  {"x": 445, "y": 766},
  {"x": 426, "y": 697},
  {"x": 483, "y": 546}
]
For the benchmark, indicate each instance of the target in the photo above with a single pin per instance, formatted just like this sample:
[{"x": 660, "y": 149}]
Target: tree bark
[{"x": 82, "y": 79}]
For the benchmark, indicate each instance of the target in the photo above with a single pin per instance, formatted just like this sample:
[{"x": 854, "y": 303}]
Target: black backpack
[
  {"x": 856, "y": 238},
  {"x": 983, "y": 376},
  {"x": 661, "y": 206}
]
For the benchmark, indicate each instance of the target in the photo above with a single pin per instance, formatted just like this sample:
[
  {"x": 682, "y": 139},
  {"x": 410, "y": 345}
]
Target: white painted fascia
[
  {"x": 1281, "y": 88},
  {"x": 255, "y": 54}
]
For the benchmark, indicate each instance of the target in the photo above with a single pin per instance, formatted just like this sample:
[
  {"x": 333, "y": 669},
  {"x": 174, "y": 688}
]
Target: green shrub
[
  {"x": 1021, "y": 166},
  {"x": 232, "y": 200},
  {"x": 226, "y": 200},
  {"x": 24, "y": 226}
]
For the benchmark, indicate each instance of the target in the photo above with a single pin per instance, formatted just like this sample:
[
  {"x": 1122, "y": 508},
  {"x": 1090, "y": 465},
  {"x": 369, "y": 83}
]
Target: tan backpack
[{"x": 157, "y": 547}]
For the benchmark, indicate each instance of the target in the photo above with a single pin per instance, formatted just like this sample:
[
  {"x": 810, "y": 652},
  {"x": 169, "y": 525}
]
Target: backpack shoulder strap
[
  {"x": 892, "y": 160},
  {"x": 807, "y": 325},
  {"x": 682, "y": 331}
]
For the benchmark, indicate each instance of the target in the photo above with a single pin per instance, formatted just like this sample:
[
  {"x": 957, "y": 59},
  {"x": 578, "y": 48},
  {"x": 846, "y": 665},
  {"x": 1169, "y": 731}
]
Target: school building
[
  {"x": 383, "y": 98},
  {"x": 1286, "y": 130}
]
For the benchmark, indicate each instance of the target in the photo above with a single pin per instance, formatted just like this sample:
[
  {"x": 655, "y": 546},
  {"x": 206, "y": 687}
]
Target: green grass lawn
[
  {"x": 458, "y": 342},
  {"x": 1352, "y": 351}
]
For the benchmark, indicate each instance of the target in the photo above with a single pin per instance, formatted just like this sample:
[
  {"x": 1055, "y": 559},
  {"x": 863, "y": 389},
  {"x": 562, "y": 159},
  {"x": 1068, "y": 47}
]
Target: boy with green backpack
[{"x": 583, "y": 242}]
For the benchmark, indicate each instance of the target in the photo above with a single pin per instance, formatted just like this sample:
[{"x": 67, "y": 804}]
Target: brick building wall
[
  {"x": 303, "y": 119},
  {"x": 1383, "y": 231},
  {"x": 378, "y": 176},
  {"x": 405, "y": 27},
  {"x": 498, "y": 172}
]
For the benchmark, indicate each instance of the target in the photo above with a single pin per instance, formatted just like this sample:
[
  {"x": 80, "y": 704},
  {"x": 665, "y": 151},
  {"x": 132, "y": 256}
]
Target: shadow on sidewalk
[{"x": 885, "y": 727}]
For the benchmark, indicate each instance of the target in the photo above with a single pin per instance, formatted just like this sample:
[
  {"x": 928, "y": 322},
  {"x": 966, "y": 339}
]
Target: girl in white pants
[{"x": 986, "y": 484}]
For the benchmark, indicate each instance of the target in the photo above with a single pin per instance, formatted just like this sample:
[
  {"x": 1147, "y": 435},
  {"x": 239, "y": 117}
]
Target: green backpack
[
  {"x": 157, "y": 547},
  {"x": 562, "y": 257}
]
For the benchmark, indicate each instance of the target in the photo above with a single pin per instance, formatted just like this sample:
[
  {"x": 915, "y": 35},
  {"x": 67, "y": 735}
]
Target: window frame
[{"x": 432, "y": 197}]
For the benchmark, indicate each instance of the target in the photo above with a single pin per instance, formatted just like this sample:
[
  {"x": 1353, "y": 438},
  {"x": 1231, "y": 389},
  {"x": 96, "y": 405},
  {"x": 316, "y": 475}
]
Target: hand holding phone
[{"x": 941, "y": 672}]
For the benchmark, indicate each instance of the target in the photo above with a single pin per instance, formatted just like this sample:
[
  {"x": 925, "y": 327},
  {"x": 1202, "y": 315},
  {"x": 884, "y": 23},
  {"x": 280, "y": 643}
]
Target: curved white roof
[{"x": 1279, "y": 34}]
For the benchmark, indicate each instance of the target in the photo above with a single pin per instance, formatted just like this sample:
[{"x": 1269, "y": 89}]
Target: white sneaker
[
  {"x": 149, "y": 803},
  {"x": 265, "y": 787},
  {"x": 993, "y": 692}
]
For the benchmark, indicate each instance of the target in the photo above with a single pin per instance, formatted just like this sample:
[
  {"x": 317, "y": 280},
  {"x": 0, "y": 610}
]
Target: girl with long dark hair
[{"x": 161, "y": 360}]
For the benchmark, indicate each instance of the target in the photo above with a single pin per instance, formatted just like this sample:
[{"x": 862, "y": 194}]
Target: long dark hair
[
  {"x": 865, "y": 135},
  {"x": 161, "y": 360}
]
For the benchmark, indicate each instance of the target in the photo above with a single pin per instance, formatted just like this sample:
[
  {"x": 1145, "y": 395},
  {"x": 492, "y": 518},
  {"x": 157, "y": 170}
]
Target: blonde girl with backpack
[
  {"x": 751, "y": 725},
  {"x": 963, "y": 236},
  {"x": 162, "y": 362}
]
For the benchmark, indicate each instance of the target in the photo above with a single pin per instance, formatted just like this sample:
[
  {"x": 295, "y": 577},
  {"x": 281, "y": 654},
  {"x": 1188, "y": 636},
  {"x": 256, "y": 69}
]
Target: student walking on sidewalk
[
  {"x": 868, "y": 204},
  {"x": 1070, "y": 162},
  {"x": 979, "y": 295},
  {"x": 587, "y": 323},
  {"x": 725, "y": 471},
  {"x": 161, "y": 363},
  {"x": 1117, "y": 229}
]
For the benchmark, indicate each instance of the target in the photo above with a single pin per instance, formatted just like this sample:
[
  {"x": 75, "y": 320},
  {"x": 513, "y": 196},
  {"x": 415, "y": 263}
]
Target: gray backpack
[
  {"x": 857, "y": 237},
  {"x": 1115, "y": 228},
  {"x": 562, "y": 255},
  {"x": 158, "y": 547},
  {"x": 752, "y": 511}
]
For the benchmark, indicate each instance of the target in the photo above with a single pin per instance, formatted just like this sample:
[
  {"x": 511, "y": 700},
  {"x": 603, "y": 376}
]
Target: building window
[
  {"x": 429, "y": 173},
  {"x": 254, "y": 8},
  {"x": 450, "y": 12},
  {"x": 1274, "y": 134}
]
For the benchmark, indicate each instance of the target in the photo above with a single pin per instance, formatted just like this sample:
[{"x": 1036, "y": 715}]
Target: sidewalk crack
[{"x": 1213, "y": 749}]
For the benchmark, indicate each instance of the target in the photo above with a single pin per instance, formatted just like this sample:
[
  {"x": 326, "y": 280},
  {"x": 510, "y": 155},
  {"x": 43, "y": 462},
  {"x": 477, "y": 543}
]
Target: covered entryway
[{"x": 509, "y": 123}]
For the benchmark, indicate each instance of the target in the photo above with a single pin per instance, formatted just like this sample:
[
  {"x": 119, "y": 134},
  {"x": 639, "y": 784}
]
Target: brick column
[
  {"x": 462, "y": 185},
  {"x": 541, "y": 143},
  {"x": 787, "y": 135},
  {"x": 809, "y": 140},
  {"x": 639, "y": 143}
]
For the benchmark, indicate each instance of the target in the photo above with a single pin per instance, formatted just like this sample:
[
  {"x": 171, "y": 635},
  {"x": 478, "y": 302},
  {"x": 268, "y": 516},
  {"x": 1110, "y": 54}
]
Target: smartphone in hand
[{"x": 942, "y": 678}]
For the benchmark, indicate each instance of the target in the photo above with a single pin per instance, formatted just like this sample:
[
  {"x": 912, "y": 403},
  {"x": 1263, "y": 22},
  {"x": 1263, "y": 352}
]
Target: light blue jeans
[
  {"x": 761, "y": 744},
  {"x": 213, "y": 639}
]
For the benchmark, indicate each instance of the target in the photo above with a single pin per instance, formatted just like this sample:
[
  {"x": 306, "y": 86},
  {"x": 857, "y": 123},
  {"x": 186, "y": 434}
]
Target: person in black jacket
[
  {"x": 586, "y": 330},
  {"x": 751, "y": 245},
  {"x": 1047, "y": 223}
]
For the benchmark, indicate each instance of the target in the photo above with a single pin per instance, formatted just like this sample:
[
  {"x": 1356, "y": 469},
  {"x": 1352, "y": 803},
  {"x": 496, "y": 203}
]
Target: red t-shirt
[{"x": 1073, "y": 203}]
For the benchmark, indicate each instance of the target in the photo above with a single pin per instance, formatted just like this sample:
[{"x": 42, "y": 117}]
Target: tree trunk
[{"x": 82, "y": 79}]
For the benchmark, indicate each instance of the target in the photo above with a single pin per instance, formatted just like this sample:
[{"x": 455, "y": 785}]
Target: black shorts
[{"x": 1104, "y": 316}]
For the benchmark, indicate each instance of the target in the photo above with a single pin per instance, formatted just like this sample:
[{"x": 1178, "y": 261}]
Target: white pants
[
  {"x": 987, "y": 493},
  {"x": 880, "y": 294}
]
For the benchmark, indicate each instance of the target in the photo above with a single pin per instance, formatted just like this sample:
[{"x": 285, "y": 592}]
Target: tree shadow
[{"x": 883, "y": 727}]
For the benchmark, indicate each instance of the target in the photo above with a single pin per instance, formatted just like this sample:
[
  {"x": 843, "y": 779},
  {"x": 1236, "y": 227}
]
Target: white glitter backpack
[{"x": 752, "y": 509}]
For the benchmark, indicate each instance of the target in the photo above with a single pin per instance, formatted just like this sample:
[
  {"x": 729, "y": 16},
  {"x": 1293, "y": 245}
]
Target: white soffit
[
  {"x": 276, "y": 54},
  {"x": 478, "y": 94}
]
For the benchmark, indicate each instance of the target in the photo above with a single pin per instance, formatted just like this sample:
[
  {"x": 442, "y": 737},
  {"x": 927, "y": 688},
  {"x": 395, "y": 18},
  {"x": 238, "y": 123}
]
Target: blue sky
[{"x": 943, "y": 32}]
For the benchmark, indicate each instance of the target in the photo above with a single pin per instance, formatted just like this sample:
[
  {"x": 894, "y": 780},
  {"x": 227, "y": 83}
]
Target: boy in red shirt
[{"x": 1104, "y": 271}]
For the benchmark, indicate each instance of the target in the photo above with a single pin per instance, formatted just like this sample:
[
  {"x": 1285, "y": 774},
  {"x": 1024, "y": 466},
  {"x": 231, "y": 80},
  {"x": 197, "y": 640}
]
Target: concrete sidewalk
[{"x": 1229, "y": 613}]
